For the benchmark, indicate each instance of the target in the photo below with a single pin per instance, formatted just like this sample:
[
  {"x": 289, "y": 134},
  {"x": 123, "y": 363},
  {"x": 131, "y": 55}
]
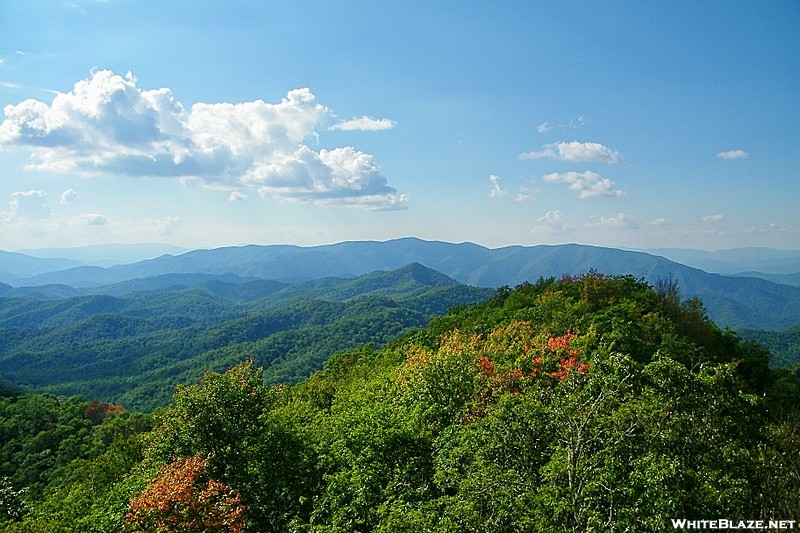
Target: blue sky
[{"x": 204, "y": 124}]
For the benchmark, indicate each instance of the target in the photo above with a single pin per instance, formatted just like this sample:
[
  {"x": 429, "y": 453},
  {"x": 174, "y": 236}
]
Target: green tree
[
  {"x": 12, "y": 504},
  {"x": 219, "y": 417}
]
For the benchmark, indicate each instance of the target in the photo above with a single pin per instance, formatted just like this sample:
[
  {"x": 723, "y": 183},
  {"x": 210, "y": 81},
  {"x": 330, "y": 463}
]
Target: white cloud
[
  {"x": 774, "y": 226},
  {"x": 93, "y": 219},
  {"x": 364, "y": 124},
  {"x": 236, "y": 196},
  {"x": 374, "y": 202},
  {"x": 588, "y": 184},
  {"x": 732, "y": 154},
  {"x": 31, "y": 205},
  {"x": 30, "y": 223},
  {"x": 552, "y": 221},
  {"x": 69, "y": 196},
  {"x": 108, "y": 126},
  {"x": 342, "y": 176},
  {"x": 574, "y": 151},
  {"x": 496, "y": 190},
  {"x": 526, "y": 194},
  {"x": 712, "y": 218},
  {"x": 28, "y": 215},
  {"x": 621, "y": 220},
  {"x": 575, "y": 123},
  {"x": 658, "y": 222}
]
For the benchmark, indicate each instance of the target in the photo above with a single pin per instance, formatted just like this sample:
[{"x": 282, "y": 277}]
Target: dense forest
[
  {"x": 588, "y": 403},
  {"x": 134, "y": 346},
  {"x": 784, "y": 345}
]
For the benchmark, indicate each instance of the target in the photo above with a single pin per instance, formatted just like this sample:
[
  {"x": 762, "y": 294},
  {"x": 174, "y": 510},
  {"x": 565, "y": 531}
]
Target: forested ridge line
[{"x": 133, "y": 349}]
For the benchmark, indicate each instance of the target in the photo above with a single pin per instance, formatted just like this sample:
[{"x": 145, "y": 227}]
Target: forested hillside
[
  {"x": 783, "y": 345},
  {"x": 134, "y": 348},
  {"x": 591, "y": 403}
]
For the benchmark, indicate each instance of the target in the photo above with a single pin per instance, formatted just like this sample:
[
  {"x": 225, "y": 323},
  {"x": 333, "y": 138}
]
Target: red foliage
[
  {"x": 568, "y": 365},
  {"x": 183, "y": 498},
  {"x": 565, "y": 364},
  {"x": 486, "y": 367},
  {"x": 563, "y": 342},
  {"x": 97, "y": 412}
]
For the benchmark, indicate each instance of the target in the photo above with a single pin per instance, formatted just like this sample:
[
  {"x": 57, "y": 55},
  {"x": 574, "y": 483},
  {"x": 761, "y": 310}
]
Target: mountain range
[{"x": 739, "y": 302}]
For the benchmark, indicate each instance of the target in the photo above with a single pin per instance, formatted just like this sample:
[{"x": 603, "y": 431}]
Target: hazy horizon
[{"x": 204, "y": 125}]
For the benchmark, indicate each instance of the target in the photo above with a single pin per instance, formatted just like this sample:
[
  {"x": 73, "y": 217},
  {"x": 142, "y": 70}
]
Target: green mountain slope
[
  {"x": 132, "y": 349},
  {"x": 783, "y": 345}
]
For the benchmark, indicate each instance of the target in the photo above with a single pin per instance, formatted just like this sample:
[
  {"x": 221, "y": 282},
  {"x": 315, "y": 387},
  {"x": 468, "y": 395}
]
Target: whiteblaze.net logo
[{"x": 727, "y": 524}]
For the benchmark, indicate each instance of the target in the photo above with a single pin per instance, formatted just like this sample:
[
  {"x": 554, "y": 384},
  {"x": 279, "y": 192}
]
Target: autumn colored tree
[{"x": 183, "y": 498}]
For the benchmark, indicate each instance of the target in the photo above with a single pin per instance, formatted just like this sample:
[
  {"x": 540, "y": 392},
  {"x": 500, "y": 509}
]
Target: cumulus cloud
[
  {"x": 28, "y": 214},
  {"x": 68, "y": 196},
  {"x": 659, "y": 222},
  {"x": 552, "y": 221},
  {"x": 587, "y": 184},
  {"x": 364, "y": 124},
  {"x": 496, "y": 190},
  {"x": 236, "y": 196},
  {"x": 28, "y": 205},
  {"x": 621, "y": 220},
  {"x": 575, "y": 152},
  {"x": 544, "y": 127},
  {"x": 93, "y": 219},
  {"x": 108, "y": 125},
  {"x": 712, "y": 218},
  {"x": 732, "y": 154}
]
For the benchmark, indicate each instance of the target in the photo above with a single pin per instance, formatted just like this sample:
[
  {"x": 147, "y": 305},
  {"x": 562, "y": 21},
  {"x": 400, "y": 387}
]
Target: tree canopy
[{"x": 589, "y": 403}]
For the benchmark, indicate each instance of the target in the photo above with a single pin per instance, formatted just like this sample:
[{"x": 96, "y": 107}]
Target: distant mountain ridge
[
  {"x": 738, "y": 302},
  {"x": 106, "y": 254},
  {"x": 17, "y": 266}
]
